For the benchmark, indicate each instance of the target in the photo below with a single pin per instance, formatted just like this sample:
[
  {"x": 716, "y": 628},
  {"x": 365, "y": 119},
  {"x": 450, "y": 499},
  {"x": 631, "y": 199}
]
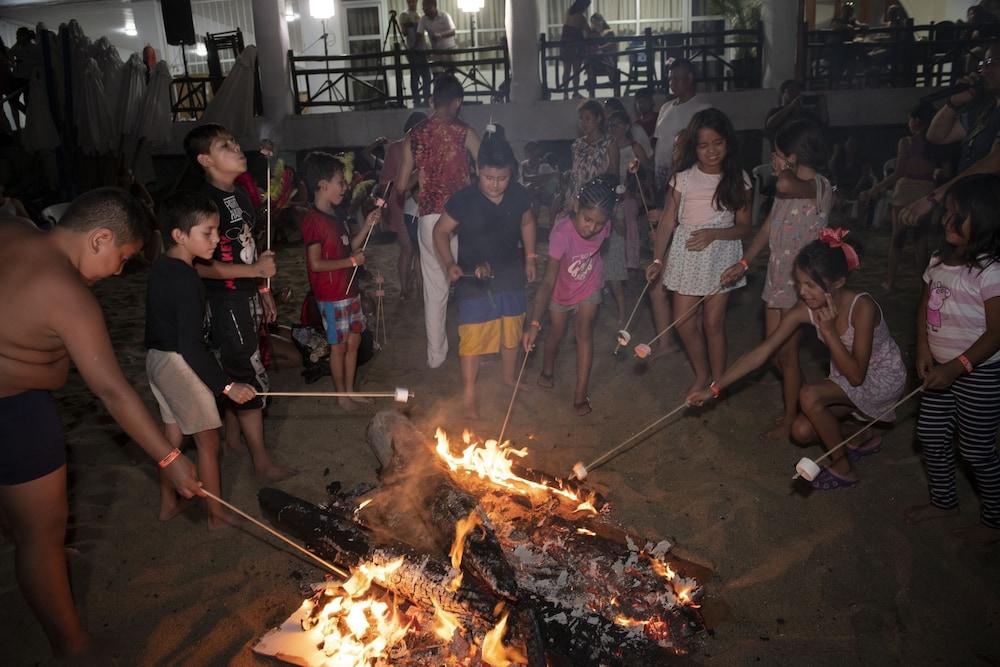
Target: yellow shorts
[{"x": 487, "y": 337}]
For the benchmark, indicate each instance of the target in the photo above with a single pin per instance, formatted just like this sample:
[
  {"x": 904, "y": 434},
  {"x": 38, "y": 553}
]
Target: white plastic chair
[
  {"x": 51, "y": 215},
  {"x": 761, "y": 173}
]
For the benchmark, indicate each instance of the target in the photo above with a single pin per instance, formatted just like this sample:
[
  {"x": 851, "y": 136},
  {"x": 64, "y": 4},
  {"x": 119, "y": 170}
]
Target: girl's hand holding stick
[{"x": 370, "y": 222}]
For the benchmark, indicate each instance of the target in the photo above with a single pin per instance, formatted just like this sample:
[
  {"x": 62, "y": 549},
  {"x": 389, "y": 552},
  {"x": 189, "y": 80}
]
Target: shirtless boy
[{"x": 49, "y": 318}]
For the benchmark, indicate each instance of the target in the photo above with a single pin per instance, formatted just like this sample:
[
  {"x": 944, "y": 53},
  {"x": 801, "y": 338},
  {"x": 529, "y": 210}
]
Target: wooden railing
[
  {"x": 903, "y": 57},
  {"x": 383, "y": 79},
  {"x": 723, "y": 60}
]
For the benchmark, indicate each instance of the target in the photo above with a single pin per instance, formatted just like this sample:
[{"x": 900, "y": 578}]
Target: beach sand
[{"x": 825, "y": 578}]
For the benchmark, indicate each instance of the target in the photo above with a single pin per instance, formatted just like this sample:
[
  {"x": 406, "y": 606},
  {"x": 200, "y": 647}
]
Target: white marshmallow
[
  {"x": 624, "y": 337},
  {"x": 807, "y": 469},
  {"x": 402, "y": 395},
  {"x": 580, "y": 470}
]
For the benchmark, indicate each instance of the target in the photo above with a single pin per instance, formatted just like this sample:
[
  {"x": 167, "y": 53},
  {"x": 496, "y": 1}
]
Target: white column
[
  {"x": 271, "y": 33},
  {"x": 780, "y": 37},
  {"x": 522, "y": 23}
]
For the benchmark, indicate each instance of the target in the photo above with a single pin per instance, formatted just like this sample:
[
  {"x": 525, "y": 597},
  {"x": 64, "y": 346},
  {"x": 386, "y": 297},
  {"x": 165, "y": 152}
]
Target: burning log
[
  {"x": 431, "y": 494},
  {"x": 421, "y": 578}
]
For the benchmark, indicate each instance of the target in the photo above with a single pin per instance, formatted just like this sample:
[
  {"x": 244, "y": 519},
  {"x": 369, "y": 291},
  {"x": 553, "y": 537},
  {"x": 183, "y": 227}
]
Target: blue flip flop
[{"x": 827, "y": 480}]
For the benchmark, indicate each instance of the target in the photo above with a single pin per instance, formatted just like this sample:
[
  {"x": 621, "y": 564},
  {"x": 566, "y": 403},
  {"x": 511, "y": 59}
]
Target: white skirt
[{"x": 697, "y": 272}]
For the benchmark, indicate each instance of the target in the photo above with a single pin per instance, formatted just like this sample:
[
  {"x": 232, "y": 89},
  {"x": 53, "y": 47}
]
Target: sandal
[
  {"x": 873, "y": 446},
  {"x": 827, "y": 480},
  {"x": 583, "y": 408},
  {"x": 545, "y": 380}
]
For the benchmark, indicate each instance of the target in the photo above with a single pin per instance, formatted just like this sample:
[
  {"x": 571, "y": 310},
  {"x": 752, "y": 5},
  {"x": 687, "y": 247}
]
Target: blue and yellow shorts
[{"x": 486, "y": 322}]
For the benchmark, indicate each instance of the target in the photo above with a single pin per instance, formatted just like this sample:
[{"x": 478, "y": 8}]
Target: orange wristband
[
  {"x": 744, "y": 263},
  {"x": 169, "y": 458},
  {"x": 965, "y": 362},
  {"x": 715, "y": 389}
]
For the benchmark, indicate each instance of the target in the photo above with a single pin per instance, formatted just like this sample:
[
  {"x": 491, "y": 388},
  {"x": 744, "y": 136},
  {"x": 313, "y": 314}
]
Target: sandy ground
[{"x": 820, "y": 579}]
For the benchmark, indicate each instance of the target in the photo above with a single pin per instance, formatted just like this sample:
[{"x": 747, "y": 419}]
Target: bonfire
[{"x": 463, "y": 556}]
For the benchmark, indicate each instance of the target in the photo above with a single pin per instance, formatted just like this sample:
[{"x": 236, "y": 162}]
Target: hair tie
[
  {"x": 834, "y": 238},
  {"x": 490, "y": 127}
]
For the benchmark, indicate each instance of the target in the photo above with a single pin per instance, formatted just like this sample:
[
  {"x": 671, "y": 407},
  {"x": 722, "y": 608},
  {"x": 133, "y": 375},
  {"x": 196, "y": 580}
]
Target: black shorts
[
  {"x": 236, "y": 321},
  {"x": 31, "y": 438}
]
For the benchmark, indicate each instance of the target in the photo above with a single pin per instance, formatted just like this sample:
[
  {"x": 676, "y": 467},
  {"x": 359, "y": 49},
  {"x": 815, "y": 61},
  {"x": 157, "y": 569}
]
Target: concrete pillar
[
  {"x": 522, "y": 23},
  {"x": 271, "y": 33},
  {"x": 780, "y": 37}
]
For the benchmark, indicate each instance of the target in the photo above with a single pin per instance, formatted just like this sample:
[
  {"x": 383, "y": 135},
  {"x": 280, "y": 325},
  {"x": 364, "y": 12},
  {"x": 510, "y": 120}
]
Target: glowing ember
[
  {"x": 495, "y": 653},
  {"x": 445, "y": 623},
  {"x": 629, "y": 622},
  {"x": 462, "y": 529},
  {"x": 350, "y": 626},
  {"x": 492, "y": 461},
  {"x": 364, "y": 504},
  {"x": 584, "y": 531}
]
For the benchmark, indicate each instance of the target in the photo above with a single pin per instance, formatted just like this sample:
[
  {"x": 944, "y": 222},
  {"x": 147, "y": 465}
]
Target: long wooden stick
[
  {"x": 604, "y": 457},
  {"x": 371, "y": 229},
  {"x": 332, "y": 394},
  {"x": 642, "y": 196},
  {"x": 517, "y": 385},
  {"x": 268, "y": 209},
  {"x": 868, "y": 425},
  {"x": 684, "y": 316},
  {"x": 636, "y": 308},
  {"x": 232, "y": 508}
]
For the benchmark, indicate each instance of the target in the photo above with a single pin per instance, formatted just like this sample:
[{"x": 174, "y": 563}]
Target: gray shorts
[
  {"x": 595, "y": 297},
  {"x": 182, "y": 396}
]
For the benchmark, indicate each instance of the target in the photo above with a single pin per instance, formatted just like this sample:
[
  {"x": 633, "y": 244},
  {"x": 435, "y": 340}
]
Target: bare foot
[
  {"x": 236, "y": 448},
  {"x": 978, "y": 533},
  {"x": 346, "y": 404},
  {"x": 545, "y": 380},
  {"x": 222, "y": 520},
  {"x": 276, "y": 473},
  {"x": 471, "y": 412},
  {"x": 697, "y": 385},
  {"x": 168, "y": 512},
  {"x": 921, "y": 513},
  {"x": 583, "y": 408},
  {"x": 362, "y": 400},
  {"x": 663, "y": 349},
  {"x": 780, "y": 432}
]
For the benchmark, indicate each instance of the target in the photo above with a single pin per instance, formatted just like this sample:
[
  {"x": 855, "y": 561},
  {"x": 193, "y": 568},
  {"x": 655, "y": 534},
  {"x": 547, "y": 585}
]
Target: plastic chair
[
  {"x": 884, "y": 201},
  {"x": 51, "y": 215},
  {"x": 761, "y": 173}
]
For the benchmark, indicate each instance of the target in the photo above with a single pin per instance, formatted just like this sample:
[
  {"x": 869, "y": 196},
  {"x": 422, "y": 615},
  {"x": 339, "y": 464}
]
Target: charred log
[{"x": 422, "y": 578}]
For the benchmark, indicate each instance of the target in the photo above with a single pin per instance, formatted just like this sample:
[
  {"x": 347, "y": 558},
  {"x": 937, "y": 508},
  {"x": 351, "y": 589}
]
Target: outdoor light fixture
[
  {"x": 129, "y": 27},
  {"x": 290, "y": 14},
  {"x": 471, "y": 5},
  {"x": 321, "y": 9},
  {"x": 200, "y": 50}
]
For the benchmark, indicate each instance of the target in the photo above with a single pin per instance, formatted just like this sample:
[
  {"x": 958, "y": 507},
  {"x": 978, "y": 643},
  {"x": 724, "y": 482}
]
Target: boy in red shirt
[{"x": 331, "y": 258}]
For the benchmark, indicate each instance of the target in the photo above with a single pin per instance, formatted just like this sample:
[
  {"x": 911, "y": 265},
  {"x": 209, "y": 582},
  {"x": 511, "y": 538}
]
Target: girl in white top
[{"x": 707, "y": 213}]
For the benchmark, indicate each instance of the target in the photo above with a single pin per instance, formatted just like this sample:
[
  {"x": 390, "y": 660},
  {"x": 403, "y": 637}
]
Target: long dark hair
[
  {"x": 730, "y": 195},
  {"x": 976, "y": 198},
  {"x": 804, "y": 139},
  {"x": 824, "y": 263}
]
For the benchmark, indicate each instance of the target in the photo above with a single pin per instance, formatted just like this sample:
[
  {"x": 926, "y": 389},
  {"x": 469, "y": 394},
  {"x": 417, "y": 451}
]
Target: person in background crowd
[
  {"x": 575, "y": 30},
  {"x": 397, "y": 204},
  {"x": 420, "y": 71},
  {"x": 439, "y": 28},
  {"x": 674, "y": 116},
  {"x": 645, "y": 114},
  {"x": 792, "y": 106}
]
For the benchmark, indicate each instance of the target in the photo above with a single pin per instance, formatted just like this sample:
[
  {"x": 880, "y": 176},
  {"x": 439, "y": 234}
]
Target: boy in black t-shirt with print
[{"x": 238, "y": 301}]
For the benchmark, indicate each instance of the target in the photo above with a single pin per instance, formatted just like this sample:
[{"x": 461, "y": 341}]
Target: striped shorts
[{"x": 972, "y": 407}]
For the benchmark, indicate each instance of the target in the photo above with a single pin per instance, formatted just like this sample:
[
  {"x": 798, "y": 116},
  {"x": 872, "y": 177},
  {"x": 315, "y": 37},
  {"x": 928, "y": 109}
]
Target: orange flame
[
  {"x": 495, "y": 653},
  {"x": 446, "y": 623},
  {"x": 584, "y": 531},
  {"x": 492, "y": 461}
]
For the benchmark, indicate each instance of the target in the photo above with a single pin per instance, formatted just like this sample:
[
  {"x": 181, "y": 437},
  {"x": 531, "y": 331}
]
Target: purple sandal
[
  {"x": 827, "y": 480},
  {"x": 873, "y": 446}
]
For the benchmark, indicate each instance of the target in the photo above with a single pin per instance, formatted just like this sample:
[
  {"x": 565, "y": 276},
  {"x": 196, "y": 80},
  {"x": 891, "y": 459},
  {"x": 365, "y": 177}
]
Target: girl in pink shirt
[
  {"x": 958, "y": 356},
  {"x": 572, "y": 283}
]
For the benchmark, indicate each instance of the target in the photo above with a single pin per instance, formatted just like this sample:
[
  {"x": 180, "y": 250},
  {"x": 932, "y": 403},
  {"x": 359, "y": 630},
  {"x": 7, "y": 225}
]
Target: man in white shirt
[
  {"x": 439, "y": 27},
  {"x": 675, "y": 116}
]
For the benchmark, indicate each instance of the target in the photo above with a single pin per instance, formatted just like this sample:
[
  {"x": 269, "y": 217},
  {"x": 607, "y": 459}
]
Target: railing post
[
  {"x": 295, "y": 83},
  {"x": 544, "y": 66},
  {"x": 759, "y": 69},
  {"x": 650, "y": 54},
  {"x": 397, "y": 63}
]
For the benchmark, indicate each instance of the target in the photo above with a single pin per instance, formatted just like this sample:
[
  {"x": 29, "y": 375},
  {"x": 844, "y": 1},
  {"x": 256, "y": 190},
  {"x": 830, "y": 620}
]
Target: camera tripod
[{"x": 393, "y": 30}]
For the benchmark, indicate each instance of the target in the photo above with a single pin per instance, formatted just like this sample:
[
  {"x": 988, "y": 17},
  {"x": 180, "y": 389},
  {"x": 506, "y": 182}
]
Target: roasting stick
[
  {"x": 268, "y": 149},
  {"x": 642, "y": 196},
  {"x": 232, "y": 508},
  {"x": 517, "y": 385},
  {"x": 642, "y": 350},
  {"x": 401, "y": 395},
  {"x": 808, "y": 469},
  {"x": 581, "y": 471},
  {"x": 624, "y": 336},
  {"x": 381, "y": 203}
]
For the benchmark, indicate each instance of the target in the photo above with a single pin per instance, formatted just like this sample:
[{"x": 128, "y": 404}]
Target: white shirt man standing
[
  {"x": 675, "y": 116},
  {"x": 438, "y": 26}
]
